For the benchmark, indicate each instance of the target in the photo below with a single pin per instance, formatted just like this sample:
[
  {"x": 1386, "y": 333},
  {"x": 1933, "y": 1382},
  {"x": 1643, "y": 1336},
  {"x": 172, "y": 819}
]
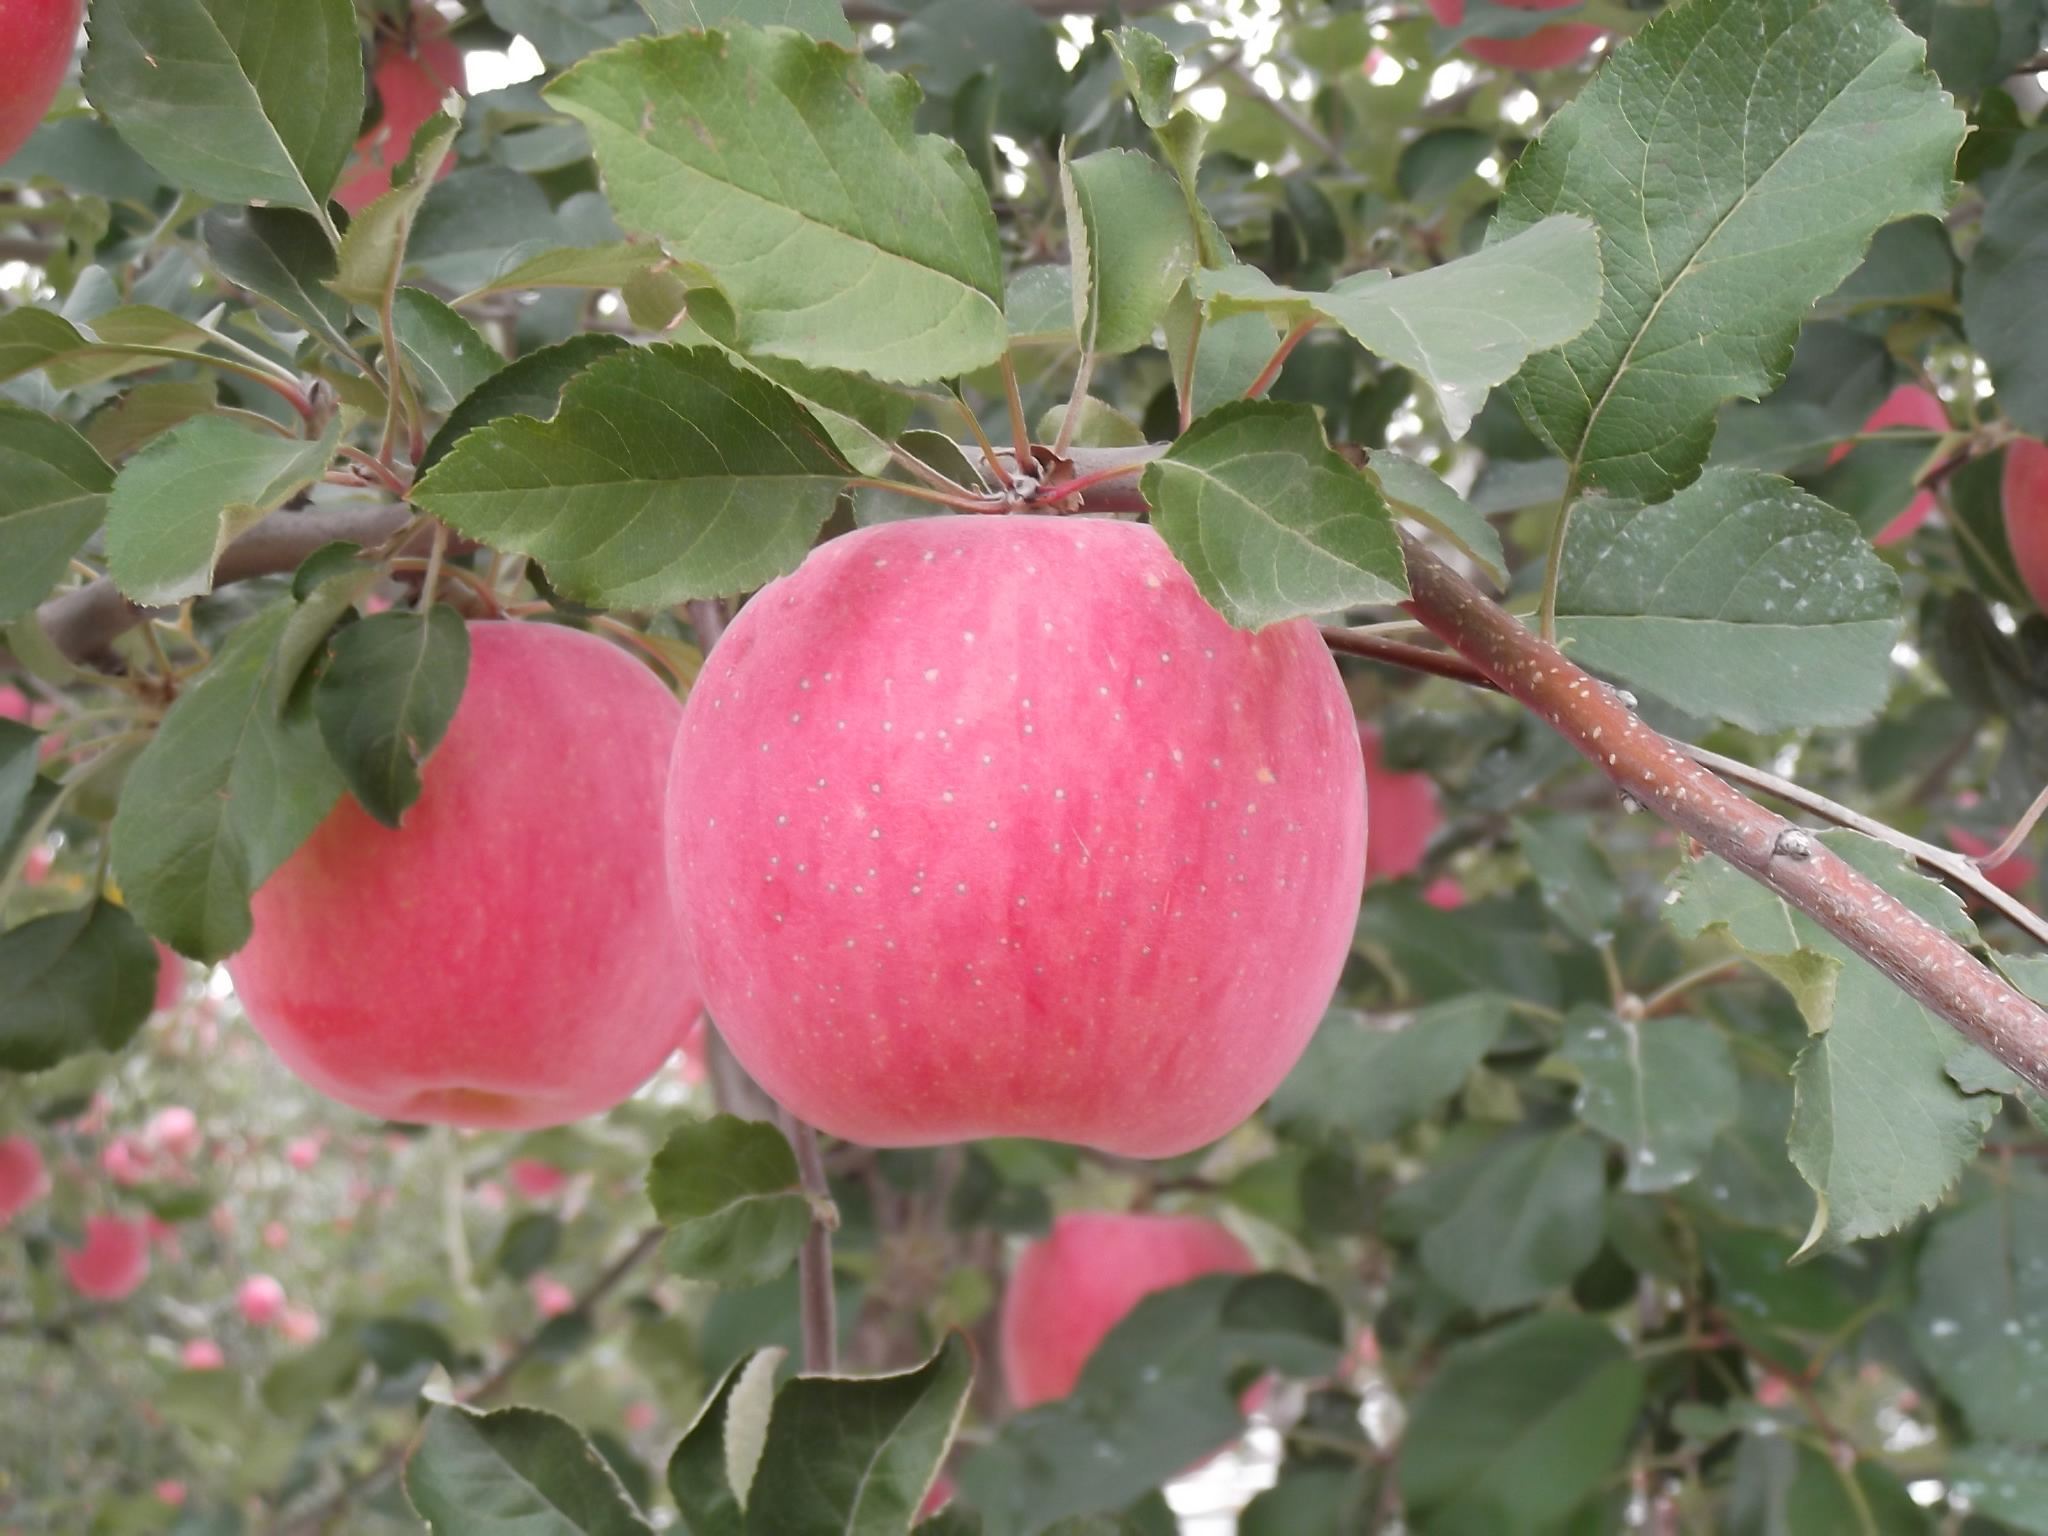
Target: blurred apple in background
[
  {"x": 260, "y": 1299},
  {"x": 202, "y": 1355},
  {"x": 411, "y": 75},
  {"x": 1403, "y": 811},
  {"x": 23, "y": 1177},
  {"x": 1550, "y": 47},
  {"x": 37, "y": 39},
  {"x": 114, "y": 1260},
  {"x": 1907, "y": 406},
  {"x": 2026, "y": 514}
]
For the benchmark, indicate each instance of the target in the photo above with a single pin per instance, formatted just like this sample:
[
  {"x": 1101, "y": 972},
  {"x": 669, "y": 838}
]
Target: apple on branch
[
  {"x": 991, "y": 826},
  {"x": 1550, "y": 47},
  {"x": 37, "y": 38},
  {"x": 114, "y": 1260}
]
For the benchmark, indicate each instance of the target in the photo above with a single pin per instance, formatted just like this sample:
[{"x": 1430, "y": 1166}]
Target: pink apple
[
  {"x": 171, "y": 1492},
  {"x": 23, "y": 1178},
  {"x": 2026, "y": 514},
  {"x": 536, "y": 1180},
  {"x": 170, "y": 977},
  {"x": 175, "y": 1129},
  {"x": 1444, "y": 893},
  {"x": 1404, "y": 813},
  {"x": 260, "y": 1300},
  {"x": 14, "y": 704},
  {"x": 114, "y": 1260},
  {"x": 1070, "y": 1289},
  {"x": 39, "y": 36},
  {"x": 991, "y": 827},
  {"x": 276, "y": 1234},
  {"x": 302, "y": 1152},
  {"x": 411, "y": 76},
  {"x": 202, "y": 1355},
  {"x": 509, "y": 957},
  {"x": 641, "y": 1416},
  {"x": 125, "y": 1161},
  {"x": 551, "y": 1298},
  {"x": 1907, "y": 406},
  {"x": 299, "y": 1325},
  {"x": 1546, "y": 48}
]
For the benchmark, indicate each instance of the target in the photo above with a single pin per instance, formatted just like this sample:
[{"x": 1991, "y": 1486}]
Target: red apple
[
  {"x": 302, "y": 1152},
  {"x": 299, "y": 1325},
  {"x": 170, "y": 977},
  {"x": 1546, "y": 48},
  {"x": 411, "y": 76},
  {"x": 175, "y": 1129},
  {"x": 23, "y": 1178},
  {"x": 2026, "y": 514},
  {"x": 551, "y": 1298},
  {"x": 202, "y": 1355},
  {"x": 991, "y": 827},
  {"x": 509, "y": 956},
  {"x": 536, "y": 1180},
  {"x": 1907, "y": 406},
  {"x": 260, "y": 1299},
  {"x": 114, "y": 1260},
  {"x": 1404, "y": 814},
  {"x": 37, "y": 38},
  {"x": 171, "y": 1492},
  {"x": 1068, "y": 1290}
]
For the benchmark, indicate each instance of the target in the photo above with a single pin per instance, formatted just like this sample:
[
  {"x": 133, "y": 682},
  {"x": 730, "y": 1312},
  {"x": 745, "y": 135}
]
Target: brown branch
[
  {"x": 1922, "y": 960},
  {"x": 84, "y": 621},
  {"x": 1398, "y": 653}
]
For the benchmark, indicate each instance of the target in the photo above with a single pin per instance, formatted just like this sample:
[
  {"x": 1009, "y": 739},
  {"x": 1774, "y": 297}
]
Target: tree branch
[
  {"x": 814, "y": 1262},
  {"x": 1922, "y": 960}
]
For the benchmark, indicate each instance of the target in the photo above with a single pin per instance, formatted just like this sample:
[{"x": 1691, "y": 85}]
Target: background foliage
[{"x": 1529, "y": 1206}]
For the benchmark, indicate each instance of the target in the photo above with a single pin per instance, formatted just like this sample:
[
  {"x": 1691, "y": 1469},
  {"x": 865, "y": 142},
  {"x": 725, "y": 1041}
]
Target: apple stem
[
  {"x": 1660, "y": 776},
  {"x": 814, "y": 1261}
]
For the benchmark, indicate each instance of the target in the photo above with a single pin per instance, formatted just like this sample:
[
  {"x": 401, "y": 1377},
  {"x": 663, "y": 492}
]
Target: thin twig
[
  {"x": 814, "y": 1262},
  {"x": 2012, "y": 840},
  {"x": 1396, "y": 653}
]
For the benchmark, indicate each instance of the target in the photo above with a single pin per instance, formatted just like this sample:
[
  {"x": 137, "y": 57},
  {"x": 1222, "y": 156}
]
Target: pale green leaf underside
[
  {"x": 787, "y": 169},
  {"x": 1132, "y": 243},
  {"x": 516, "y": 1472},
  {"x": 1662, "y": 1088},
  {"x": 1270, "y": 523},
  {"x": 1421, "y": 491},
  {"x": 240, "y": 100},
  {"x": 821, "y": 18},
  {"x": 1742, "y": 597},
  {"x": 1737, "y": 157},
  {"x": 668, "y": 473},
  {"x": 1465, "y": 326}
]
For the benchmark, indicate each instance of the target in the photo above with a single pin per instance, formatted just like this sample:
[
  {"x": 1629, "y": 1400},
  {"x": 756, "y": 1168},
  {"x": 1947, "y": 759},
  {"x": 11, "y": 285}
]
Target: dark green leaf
[
  {"x": 667, "y": 473},
  {"x": 1787, "y": 133},
  {"x": 1519, "y": 1426},
  {"x": 1520, "y": 1223},
  {"x": 296, "y": 1387},
  {"x": 385, "y": 699},
  {"x": 855, "y": 1457},
  {"x": 53, "y": 494},
  {"x": 282, "y": 255},
  {"x": 530, "y": 386},
  {"x": 943, "y": 46},
  {"x": 527, "y": 1245},
  {"x": 223, "y": 795},
  {"x": 1374, "y": 1080},
  {"x": 75, "y": 981},
  {"x": 1133, "y": 247},
  {"x": 240, "y": 100},
  {"x": 1981, "y": 1322},
  {"x": 516, "y": 1472},
  {"x": 1662, "y": 1088},
  {"x": 821, "y": 18},
  {"x": 1578, "y": 883},
  {"x": 729, "y": 1188},
  {"x": 711, "y": 1472},
  {"x": 1270, "y": 523},
  {"x": 2007, "y": 1482},
  {"x": 563, "y": 31},
  {"x": 2002, "y": 310},
  {"x": 445, "y": 353},
  {"x": 1420, "y": 491}
]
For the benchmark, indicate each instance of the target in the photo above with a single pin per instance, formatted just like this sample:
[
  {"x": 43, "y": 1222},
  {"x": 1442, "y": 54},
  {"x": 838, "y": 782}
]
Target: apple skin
[
  {"x": 991, "y": 827},
  {"x": 508, "y": 957},
  {"x": 411, "y": 85},
  {"x": 39, "y": 36},
  {"x": 260, "y": 1299},
  {"x": 23, "y": 1178},
  {"x": 1549, "y": 48},
  {"x": 1404, "y": 814},
  {"x": 2025, "y": 488},
  {"x": 1907, "y": 406},
  {"x": 114, "y": 1260},
  {"x": 1068, "y": 1290}
]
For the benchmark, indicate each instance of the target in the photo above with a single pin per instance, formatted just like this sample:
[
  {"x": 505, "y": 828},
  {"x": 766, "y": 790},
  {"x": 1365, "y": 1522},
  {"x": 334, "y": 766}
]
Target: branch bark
[{"x": 1919, "y": 958}]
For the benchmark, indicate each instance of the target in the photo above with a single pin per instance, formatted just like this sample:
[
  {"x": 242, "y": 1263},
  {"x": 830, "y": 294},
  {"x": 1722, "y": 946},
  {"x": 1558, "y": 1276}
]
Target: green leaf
[
  {"x": 282, "y": 255},
  {"x": 1742, "y": 597},
  {"x": 1270, "y": 523},
  {"x": 1149, "y": 68},
  {"x": 856, "y": 1457},
  {"x": 53, "y": 494},
  {"x": 1521, "y": 1222},
  {"x": 384, "y": 701},
  {"x": 2006, "y": 1482},
  {"x": 148, "y": 411},
  {"x": 75, "y": 981},
  {"x": 529, "y": 386},
  {"x": 1133, "y": 246},
  {"x": 1747, "y": 1177},
  {"x": 223, "y": 795},
  {"x": 182, "y": 500},
  {"x": 296, "y": 1387},
  {"x": 822, "y": 19},
  {"x": 240, "y": 100},
  {"x": 1663, "y": 1088},
  {"x": 528, "y": 1244},
  {"x": 1737, "y": 157},
  {"x": 729, "y": 1188},
  {"x": 599, "y": 266},
  {"x": 2002, "y": 311},
  {"x": 1981, "y": 1321},
  {"x": 1519, "y": 1426},
  {"x": 945, "y": 46},
  {"x": 1879, "y": 1127},
  {"x": 787, "y": 170},
  {"x": 563, "y": 31},
  {"x": 443, "y": 351},
  {"x": 516, "y": 1472},
  {"x": 1039, "y": 303},
  {"x": 668, "y": 473},
  {"x": 1154, "y": 1396},
  {"x": 1373, "y": 1080},
  {"x": 37, "y": 338},
  {"x": 1577, "y": 881},
  {"x": 1422, "y": 493},
  {"x": 711, "y": 1472},
  {"x": 371, "y": 253},
  {"x": 1464, "y": 326},
  {"x": 1779, "y": 1485},
  {"x": 20, "y": 756}
]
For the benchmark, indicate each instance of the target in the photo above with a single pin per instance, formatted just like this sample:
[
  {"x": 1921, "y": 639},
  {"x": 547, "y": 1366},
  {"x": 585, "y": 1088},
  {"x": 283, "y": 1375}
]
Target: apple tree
[{"x": 794, "y": 769}]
